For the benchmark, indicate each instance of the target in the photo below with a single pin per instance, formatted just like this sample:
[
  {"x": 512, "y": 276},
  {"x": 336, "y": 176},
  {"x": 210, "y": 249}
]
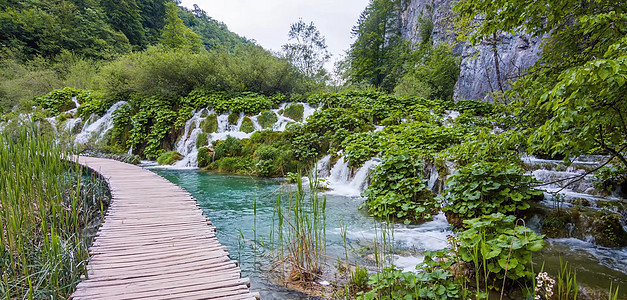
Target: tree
[
  {"x": 175, "y": 35},
  {"x": 308, "y": 50},
  {"x": 376, "y": 56},
  {"x": 125, "y": 16},
  {"x": 573, "y": 99}
]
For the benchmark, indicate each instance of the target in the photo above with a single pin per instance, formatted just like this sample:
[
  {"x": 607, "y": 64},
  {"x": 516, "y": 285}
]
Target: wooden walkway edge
[{"x": 155, "y": 243}]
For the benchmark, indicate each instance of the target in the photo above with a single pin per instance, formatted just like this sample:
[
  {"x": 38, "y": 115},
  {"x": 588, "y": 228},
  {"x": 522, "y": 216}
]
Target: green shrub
[
  {"x": 360, "y": 147},
  {"x": 235, "y": 165},
  {"x": 493, "y": 244},
  {"x": 58, "y": 100},
  {"x": 210, "y": 124},
  {"x": 433, "y": 282},
  {"x": 247, "y": 125},
  {"x": 91, "y": 103},
  {"x": 228, "y": 148},
  {"x": 233, "y": 117},
  {"x": 267, "y": 119},
  {"x": 169, "y": 158},
  {"x": 204, "y": 157},
  {"x": 398, "y": 192},
  {"x": 294, "y": 111},
  {"x": 202, "y": 140},
  {"x": 488, "y": 187}
]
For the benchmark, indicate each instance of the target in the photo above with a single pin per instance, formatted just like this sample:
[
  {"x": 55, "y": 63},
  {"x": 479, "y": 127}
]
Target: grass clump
[
  {"x": 169, "y": 158},
  {"x": 48, "y": 205},
  {"x": 294, "y": 111},
  {"x": 210, "y": 124},
  {"x": 247, "y": 125},
  {"x": 267, "y": 119}
]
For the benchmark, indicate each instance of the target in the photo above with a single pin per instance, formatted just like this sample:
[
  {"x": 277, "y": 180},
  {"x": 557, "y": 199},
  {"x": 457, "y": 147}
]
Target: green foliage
[
  {"x": 573, "y": 97},
  {"x": 480, "y": 108},
  {"x": 433, "y": 281},
  {"x": 233, "y": 117},
  {"x": 49, "y": 205},
  {"x": 294, "y": 111},
  {"x": 610, "y": 178},
  {"x": 247, "y": 125},
  {"x": 58, "y": 100},
  {"x": 360, "y": 147},
  {"x": 397, "y": 191},
  {"x": 485, "y": 188},
  {"x": 230, "y": 147},
  {"x": 91, "y": 102},
  {"x": 376, "y": 55},
  {"x": 267, "y": 119},
  {"x": 204, "y": 157},
  {"x": 420, "y": 138},
  {"x": 209, "y": 124},
  {"x": 175, "y": 35},
  {"x": 169, "y": 158},
  {"x": 495, "y": 245},
  {"x": 202, "y": 140},
  {"x": 307, "y": 50},
  {"x": 214, "y": 34},
  {"x": 151, "y": 126}
]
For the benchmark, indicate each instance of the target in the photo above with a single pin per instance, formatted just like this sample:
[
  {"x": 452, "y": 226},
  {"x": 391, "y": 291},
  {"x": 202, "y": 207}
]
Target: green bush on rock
[
  {"x": 484, "y": 188},
  {"x": 230, "y": 147},
  {"x": 267, "y": 119},
  {"x": 398, "y": 192},
  {"x": 247, "y": 125},
  {"x": 210, "y": 124},
  {"x": 202, "y": 140},
  {"x": 204, "y": 157},
  {"x": 169, "y": 158},
  {"x": 232, "y": 118},
  {"x": 294, "y": 111}
]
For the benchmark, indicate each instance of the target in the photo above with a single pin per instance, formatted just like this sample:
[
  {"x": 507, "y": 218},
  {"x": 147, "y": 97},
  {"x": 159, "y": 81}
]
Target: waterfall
[
  {"x": 340, "y": 180},
  {"x": 97, "y": 128},
  {"x": 186, "y": 146},
  {"x": 322, "y": 167}
]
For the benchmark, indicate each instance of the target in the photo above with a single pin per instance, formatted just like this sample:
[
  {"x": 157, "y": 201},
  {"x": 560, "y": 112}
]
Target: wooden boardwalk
[{"x": 155, "y": 243}]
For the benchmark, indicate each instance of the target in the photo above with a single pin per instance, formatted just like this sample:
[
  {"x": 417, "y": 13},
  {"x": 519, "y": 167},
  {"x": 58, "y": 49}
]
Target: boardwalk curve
[{"x": 155, "y": 243}]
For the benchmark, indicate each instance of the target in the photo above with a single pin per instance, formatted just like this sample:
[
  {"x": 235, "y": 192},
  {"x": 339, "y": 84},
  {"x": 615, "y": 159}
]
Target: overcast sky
[{"x": 268, "y": 21}]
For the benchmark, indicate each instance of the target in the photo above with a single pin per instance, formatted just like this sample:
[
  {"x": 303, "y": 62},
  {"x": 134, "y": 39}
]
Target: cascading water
[
  {"x": 186, "y": 146},
  {"x": 340, "y": 180},
  {"x": 97, "y": 128}
]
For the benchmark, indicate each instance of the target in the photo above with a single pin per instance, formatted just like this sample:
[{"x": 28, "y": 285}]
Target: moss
[
  {"x": 169, "y": 158},
  {"x": 294, "y": 111},
  {"x": 205, "y": 155},
  {"x": 247, "y": 125},
  {"x": 210, "y": 124},
  {"x": 233, "y": 117},
  {"x": 202, "y": 140},
  {"x": 609, "y": 231},
  {"x": 267, "y": 119}
]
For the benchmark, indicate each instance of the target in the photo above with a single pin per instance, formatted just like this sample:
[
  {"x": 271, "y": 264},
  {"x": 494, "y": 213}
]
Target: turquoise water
[{"x": 228, "y": 201}]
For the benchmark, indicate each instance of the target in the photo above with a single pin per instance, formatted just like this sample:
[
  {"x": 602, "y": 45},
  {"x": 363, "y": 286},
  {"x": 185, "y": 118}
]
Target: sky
[{"x": 268, "y": 21}]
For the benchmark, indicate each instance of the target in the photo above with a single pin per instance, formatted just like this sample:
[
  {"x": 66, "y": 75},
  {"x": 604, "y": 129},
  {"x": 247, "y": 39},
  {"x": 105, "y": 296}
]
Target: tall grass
[
  {"x": 47, "y": 205},
  {"x": 301, "y": 230}
]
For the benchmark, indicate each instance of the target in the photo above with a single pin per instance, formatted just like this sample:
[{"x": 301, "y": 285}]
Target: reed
[
  {"x": 47, "y": 205},
  {"x": 301, "y": 231}
]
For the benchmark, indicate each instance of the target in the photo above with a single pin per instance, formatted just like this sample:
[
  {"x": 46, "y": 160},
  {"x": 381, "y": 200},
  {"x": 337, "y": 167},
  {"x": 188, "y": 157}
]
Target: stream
[{"x": 228, "y": 201}]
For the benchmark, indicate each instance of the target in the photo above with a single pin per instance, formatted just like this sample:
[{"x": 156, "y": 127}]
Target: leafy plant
[
  {"x": 484, "y": 188},
  {"x": 498, "y": 248},
  {"x": 397, "y": 191},
  {"x": 360, "y": 147},
  {"x": 232, "y": 118},
  {"x": 204, "y": 157},
  {"x": 230, "y": 147},
  {"x": 202, "y": 140}
]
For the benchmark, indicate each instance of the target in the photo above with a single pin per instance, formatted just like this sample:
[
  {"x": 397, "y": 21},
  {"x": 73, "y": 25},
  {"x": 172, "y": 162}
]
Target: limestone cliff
[{"x": 478, "y": 69}]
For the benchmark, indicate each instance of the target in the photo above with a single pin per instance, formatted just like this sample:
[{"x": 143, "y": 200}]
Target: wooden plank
[{"x": 155, "y": 243}]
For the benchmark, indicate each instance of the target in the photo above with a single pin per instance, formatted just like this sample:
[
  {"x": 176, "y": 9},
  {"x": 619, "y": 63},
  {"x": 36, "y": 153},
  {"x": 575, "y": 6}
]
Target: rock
[{"x": 477, "y": 76}]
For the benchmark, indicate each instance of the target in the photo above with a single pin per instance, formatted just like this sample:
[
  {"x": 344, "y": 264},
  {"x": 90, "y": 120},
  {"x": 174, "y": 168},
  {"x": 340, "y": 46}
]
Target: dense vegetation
[
  {"x": 166, "y": 62},
  {"x": 44, "y": 229}
]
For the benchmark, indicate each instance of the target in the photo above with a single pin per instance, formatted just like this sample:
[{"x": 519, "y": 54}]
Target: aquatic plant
[
  {"x": 247, "y": 125},
  {"x": 267, "y": 119},
  {"x": 294, "y": 111},
  {"x": 48, "y": 205},
  {"x": 210, "y": 124},
  {"x": 301, "y": 230},
  {"x": 169, "y": 158}
]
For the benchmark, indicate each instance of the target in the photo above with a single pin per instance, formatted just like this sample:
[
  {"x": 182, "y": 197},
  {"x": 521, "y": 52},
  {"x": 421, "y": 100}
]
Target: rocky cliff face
[{"x": 478, "y": 76}]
